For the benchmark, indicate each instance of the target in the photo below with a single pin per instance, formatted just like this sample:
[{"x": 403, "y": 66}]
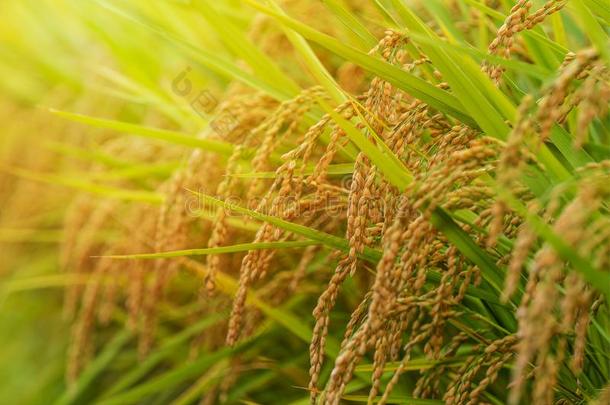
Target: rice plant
[{"x": 305, "y": 201}]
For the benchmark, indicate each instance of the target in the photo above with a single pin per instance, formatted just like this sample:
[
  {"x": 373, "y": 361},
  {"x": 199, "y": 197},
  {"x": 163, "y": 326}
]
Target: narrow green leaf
[
  {"x": 422, "y": 363},
  {"x": 385, "y": 13},
  {"x": 600, "y": 8},
  {"x": 394, "y": 399},
  {"x": 326, "y": 239},
  {"x": 85, "y": 154},
  {"x": 206, "y": 58},
  {"x": 205, "y": 382},
  {"x": 597, "y": 278},
  {"x": 106, "y": 191},
  {"x": 372, "y": 255},
  {"x": 244, "y": 247},
  {"x": 20, "y": 235},
  {"x": 393, "y": 169},
  {"x": 592, "y": 28},
  {"x": 400, "y": 177},
  {"x": 235, "y": 40},
  {"x": 529, "y": 69},
  {"x": 176, "y": 138},
  {"x": 101, "y": 362},
  {"x": 486, "y": 104},
  {"x": 435, "y": 97},
  {"x": 311, "y": 61},
  {"x": 541, "y": 41},
  {"x": 283, "y": 317},
  {"x": 444, "y": 18},
  {"x": 366, "y": 40},
  {"x": 166, "y": 350},
  {"x": 169, "y": 379},
  {"x": 138, "y": 171},
  {"x": 396, "y": 163},
  {"x": 460, "y": 239},
  {"x": 333, "y": 170}
]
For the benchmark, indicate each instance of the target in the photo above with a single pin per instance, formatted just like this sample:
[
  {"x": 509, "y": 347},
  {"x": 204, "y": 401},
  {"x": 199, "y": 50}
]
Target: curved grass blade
[
  {"x": 101, "y": 362},
  {"x": 311, "y": 61},
  {"x": 379, "y": 153},
  {"x": 457, "y": 236},
  {"x": 542, "y": 41},
  {"x": 394, "y": 399},
  {"x": 86, "y": 154},
  {"x": 591, "y": 27},
  {"x": 337, "y": 169},
  {"x": 385, "y": 13},
  {"x": 234, "y": 39},
  {"x": 597, "y": 278},
  {"x": 41, "y": 282},
  {"x": 401, "y": 178},
  {"x": 600, "y": 8},
  {"x": 422, "y": 363},
  {"x": 164, "y": 351},
  {"x": 289, "y": 321},
  {"x": 361, "y": 34},
  {"x": 138, "y": 171},
  {"x": 106, "y": 191},
  {"x": 195, "y": 391},
  {"x": 208, "y": 59},
  {"x": 485, "y": 103},
  {"x": 419, "y": 88},
  {"x": 169, "y": 379},
  {"x": 529, "y": 69},
  {"x": 222, "y": 66},
  {"x": 324, "y": 238},
  {"x": 444, "y": 19},
  {"x": 244, "y": 247},
  {"x": 129, "y": 89},
  {"x": 174, "y": 137},
  {"x": 20, "y": 235}
]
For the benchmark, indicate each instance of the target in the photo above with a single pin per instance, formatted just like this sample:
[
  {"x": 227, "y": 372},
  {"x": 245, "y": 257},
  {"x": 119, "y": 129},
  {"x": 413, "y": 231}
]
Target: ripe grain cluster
[{"x": 418, "y": 191}]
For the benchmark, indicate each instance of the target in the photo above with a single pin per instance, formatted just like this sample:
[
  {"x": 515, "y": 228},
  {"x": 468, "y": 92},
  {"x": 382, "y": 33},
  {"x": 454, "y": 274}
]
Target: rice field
[{"x": 305, "y": 202}]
